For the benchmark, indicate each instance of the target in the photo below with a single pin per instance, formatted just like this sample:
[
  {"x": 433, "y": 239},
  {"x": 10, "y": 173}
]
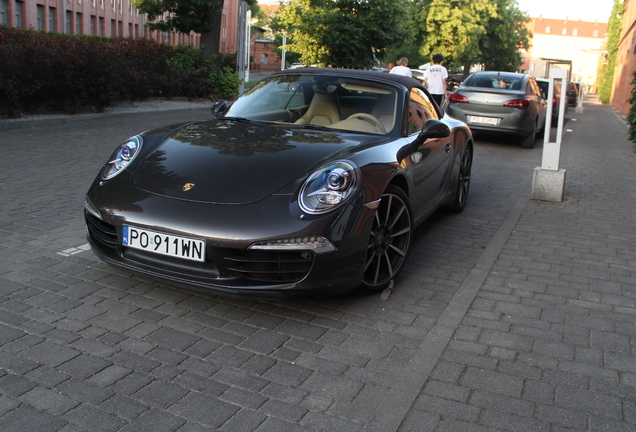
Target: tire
[
  {"x": 389, "y": 242},
  {"x": 528, "y": 142},
  {"x": 463, "y": 182}
]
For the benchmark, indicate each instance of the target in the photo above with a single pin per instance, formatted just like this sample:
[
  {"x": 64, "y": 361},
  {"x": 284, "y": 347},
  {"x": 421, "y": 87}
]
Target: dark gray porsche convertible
[{"x": 311, "y": 183}]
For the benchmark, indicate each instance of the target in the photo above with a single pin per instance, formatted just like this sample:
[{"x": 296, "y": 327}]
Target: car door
[{"x": 432, "y": 158}]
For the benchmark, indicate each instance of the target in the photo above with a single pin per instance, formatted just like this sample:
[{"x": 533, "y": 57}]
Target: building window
[
  {"x": 3, "y": 12},
  {"x": 533, "y": 67},
  {"x": 595, "y": 34},
  {"x": 19, "y": 14},
  {"x": 100, "y": 27},
  {"x": 130, "y": 31},
  {"x": 264, "y": 58},
  {"x": 113, "y": 28},
  {"x": 51, "y": 19},
  {"x": 78, "y": 23},
  {"x": 40, "y": 17},
  {"x": 67, "y": 23},
  {"x": 575, "y": 32},
  {"x": 547, "y": 29},
  {"x": 92, "y": 24},
  {"x": 564, "y": 31}
]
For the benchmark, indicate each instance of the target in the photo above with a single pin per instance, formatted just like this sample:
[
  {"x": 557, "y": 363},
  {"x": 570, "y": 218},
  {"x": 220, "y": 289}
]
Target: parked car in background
[
  {"x": 453, "y": 82},
  {"x": 296, "y": 65},
  {"x": 573, "y": 93},
  {"x": 312, "y": 182},
  {"x": 544, "y": 85},
  {"x": 501, "y": 102},
  {"x": 418, "y": 74}
]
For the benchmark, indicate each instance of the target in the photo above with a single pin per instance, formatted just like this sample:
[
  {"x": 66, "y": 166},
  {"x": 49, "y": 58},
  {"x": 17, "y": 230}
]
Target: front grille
[
  {"x": 101, "y": 232},
  {"x": 271, "y": 266}
]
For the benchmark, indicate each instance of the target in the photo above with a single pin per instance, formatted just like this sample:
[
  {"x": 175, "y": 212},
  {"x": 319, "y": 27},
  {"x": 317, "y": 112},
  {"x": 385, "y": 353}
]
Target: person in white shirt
[
  {"x": 435, "y": 79},
  {"x": 401, "y": 68}
]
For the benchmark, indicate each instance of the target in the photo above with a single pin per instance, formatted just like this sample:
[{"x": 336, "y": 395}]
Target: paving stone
[
  {"x": 49, "y": 400},
  {"x": 197, "y": 406},
  {"x": 27, "y": 418},
  {"x": 492, "y": 381},
  {"x": 94, "y": 419}
]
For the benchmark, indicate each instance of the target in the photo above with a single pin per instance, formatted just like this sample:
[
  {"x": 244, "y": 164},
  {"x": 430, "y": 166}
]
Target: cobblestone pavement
[{"x": 514, "y": 315}]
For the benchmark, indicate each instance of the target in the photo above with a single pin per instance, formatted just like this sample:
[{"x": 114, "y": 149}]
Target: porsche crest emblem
[{"x": 186, "y": 187}]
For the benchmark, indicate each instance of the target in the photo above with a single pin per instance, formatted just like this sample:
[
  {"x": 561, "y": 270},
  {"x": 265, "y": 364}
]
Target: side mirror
[
  {"x": 433, "y": 129},
  {"x": 219, "y": 108}
]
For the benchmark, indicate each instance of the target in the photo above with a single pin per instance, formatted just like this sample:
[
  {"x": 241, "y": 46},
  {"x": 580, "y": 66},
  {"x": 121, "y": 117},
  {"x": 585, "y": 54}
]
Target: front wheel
[{"x": 390, "y": 240}]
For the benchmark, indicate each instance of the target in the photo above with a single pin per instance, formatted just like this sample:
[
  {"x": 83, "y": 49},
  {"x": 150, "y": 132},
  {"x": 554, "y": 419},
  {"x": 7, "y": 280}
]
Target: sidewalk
[{"x": 549, "y": 340}]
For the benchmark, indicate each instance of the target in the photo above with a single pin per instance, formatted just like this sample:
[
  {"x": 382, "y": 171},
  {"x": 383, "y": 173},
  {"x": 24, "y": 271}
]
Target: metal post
[
  {"x": 240, "y": 49},
  {"x": 282, "y": 59}
]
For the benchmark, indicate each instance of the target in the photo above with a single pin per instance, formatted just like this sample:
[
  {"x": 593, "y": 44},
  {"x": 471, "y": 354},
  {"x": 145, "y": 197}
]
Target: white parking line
[{"x": 73, "y": 251}]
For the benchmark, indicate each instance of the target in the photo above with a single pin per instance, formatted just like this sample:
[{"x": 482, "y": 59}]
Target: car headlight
[
  {"x": 330, "y": 186},
  {"x": 121, "y": 157}
]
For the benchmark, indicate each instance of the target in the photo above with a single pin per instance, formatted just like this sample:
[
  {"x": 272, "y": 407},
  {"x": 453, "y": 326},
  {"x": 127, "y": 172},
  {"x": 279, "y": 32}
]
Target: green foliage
[
  {"x": 454, "y": 29},
  {"x": 606, "y": 70},
  {"x": 631, "y": 115},
  {"x": 67, "y": 73},
  {"x": 342, "y": 33},
  {"x": 506, "y": 34},
  {"x": 414, "y": 31},
  {"x": 467, "y": 32},
  {"x": 178, "y": 15},
  {"x": 227, "y": 83}
]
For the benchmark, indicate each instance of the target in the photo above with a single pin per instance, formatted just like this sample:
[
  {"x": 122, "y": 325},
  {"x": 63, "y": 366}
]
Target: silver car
[{"x": 501, "y": 102}]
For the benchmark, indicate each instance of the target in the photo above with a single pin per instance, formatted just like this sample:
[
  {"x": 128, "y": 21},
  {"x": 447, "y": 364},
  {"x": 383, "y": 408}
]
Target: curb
[{"x": 55, "y": 121}]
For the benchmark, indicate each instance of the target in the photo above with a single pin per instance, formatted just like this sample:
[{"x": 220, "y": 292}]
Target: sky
[{"x": 586, "y": 10}]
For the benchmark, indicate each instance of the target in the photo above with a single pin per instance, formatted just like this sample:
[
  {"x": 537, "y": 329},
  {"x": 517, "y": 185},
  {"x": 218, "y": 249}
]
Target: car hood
[{"x": 232, "y": 162}]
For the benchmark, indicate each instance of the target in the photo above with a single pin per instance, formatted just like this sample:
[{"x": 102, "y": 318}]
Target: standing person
[
  {"x": 435, "y": 79},
  {"x": 401, "y": 68}
]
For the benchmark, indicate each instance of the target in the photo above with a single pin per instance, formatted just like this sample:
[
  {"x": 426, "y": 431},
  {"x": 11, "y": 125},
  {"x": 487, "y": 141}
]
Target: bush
[{"x": 55, "y": 71}]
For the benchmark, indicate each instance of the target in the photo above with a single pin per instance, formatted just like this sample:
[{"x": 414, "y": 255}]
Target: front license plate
[
  {"x": 163, "y": 244},
  {"x": 483, "y": 120}
]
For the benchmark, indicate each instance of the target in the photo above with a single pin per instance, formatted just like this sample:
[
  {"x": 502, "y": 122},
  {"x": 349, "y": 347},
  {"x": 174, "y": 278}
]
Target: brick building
[
  {"x": 625, "y": 60},
  {"x": 581, "y": 42},
  {"x": 108, "y": 18}
]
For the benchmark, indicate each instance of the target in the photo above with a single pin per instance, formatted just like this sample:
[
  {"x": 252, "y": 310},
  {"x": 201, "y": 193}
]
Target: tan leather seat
[
  {"x": 384, "y": 110},
  {"x": 323, "y": 110}
]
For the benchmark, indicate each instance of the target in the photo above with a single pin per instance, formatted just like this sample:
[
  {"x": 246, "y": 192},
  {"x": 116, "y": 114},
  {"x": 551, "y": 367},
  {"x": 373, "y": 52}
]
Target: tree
[
  {"x": 454, "y": 28},
  {"x": 506, "y": 34},
  {"x": 185, "y": 16},
  {"x": 468, "y": 32},
  {"x": 414, "y": 29},
  {"x": 342, "y": 33}
]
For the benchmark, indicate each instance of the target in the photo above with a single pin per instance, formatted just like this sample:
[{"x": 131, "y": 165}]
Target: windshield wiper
[{"x": 237, "y": 119}]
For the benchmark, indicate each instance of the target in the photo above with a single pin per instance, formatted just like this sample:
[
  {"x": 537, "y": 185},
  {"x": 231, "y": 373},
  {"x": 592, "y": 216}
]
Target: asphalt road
[{"x": 513, "y": 315}]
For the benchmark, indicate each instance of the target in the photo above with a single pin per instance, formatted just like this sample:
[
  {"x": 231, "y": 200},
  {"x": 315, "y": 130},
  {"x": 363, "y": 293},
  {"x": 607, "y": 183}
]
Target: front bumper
[{"x": 228, "y": 230}]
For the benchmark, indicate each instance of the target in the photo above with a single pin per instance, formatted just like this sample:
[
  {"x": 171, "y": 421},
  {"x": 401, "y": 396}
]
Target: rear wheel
[
  {"x": 463, "y": 182},
  {"x": 390, "y": 241},
  {"x": 528, "y": 142}
]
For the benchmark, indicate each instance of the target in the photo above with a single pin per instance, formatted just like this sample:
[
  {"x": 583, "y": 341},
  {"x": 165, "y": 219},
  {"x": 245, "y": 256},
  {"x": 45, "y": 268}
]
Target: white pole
[
  {"x": 248, "y": 38},
  {"x": 282, "y": 59}
]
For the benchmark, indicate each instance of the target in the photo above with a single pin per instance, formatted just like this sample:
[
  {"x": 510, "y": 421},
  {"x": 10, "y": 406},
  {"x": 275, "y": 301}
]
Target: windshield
[
  {"x": 498, "y": 81},
  {"x": 334, "y": 102}
]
